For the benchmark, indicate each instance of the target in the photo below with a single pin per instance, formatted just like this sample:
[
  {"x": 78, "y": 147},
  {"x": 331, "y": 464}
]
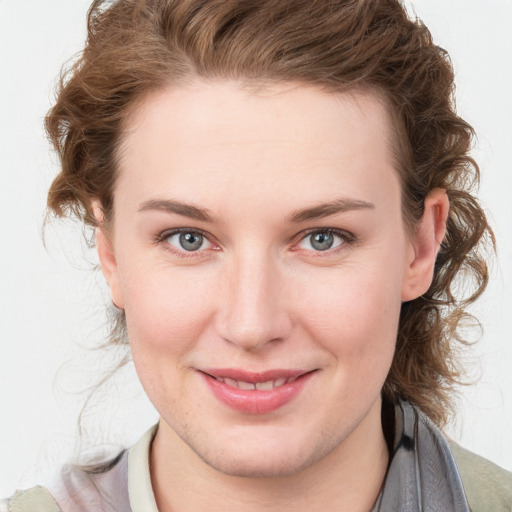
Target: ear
[
  {"x": 425, "y": 244},
  {"x": 107, "y": 257}
]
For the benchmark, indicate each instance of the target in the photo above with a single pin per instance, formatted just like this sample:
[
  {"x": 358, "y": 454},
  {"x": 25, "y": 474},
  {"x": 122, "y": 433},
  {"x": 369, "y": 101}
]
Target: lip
[{"x": 255, "y": 401}]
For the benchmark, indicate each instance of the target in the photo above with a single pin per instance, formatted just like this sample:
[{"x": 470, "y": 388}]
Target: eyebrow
[
  {"x": 177, "y": 207},
  {"x": 331, "y": 208},
  {"x": 202, "y": 214}
]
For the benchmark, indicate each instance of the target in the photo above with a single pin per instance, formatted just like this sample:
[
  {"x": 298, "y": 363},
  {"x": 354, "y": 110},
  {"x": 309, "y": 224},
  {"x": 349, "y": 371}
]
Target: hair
[{"x": 136, "y": 47}]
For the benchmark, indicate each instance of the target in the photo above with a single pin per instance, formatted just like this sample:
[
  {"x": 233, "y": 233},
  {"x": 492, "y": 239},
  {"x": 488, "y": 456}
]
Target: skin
[{"x": 258, "y": 295}]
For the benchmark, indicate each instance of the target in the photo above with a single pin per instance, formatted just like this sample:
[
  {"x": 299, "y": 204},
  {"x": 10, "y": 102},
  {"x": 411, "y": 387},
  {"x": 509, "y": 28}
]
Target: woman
[{"x": 280, "y": 197}]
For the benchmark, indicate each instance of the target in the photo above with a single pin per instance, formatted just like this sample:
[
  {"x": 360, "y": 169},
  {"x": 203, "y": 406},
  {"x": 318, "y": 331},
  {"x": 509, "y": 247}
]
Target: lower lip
[{"x": 256, "y": 401}]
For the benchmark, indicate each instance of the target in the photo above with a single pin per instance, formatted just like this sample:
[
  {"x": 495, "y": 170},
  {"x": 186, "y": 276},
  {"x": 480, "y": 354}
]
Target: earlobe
[
  {"x": 107, "y": 257},
  {"x": 425, "y": 244}
]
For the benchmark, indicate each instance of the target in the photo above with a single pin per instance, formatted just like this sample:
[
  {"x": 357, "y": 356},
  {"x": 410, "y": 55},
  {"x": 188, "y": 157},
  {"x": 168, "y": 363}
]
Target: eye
[
  {"x": 187, "y": 240},
  {"x": 322, "y": 240}
]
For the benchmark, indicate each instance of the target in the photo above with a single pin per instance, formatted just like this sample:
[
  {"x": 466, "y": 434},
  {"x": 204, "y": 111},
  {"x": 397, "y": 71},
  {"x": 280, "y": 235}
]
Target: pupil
[
  {"x": 322, "y": 241},
  {"x": 191, "y": 241}
]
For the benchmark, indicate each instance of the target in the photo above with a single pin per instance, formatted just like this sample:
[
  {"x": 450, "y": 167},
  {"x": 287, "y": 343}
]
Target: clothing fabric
[
  {"x": 423, "y": 475},
  {"x": 427, "y": 473}
]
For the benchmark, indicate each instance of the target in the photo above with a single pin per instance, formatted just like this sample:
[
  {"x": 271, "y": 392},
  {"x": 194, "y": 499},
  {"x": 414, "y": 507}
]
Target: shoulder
[
  {"x": 102, "y": 488},
  {"x": 487, "y": 486},
  {"x": 36, "y": 499}
]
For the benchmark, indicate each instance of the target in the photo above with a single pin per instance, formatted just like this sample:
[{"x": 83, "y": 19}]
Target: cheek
[
  {"x": 166, "y": 310},
  {"x": 355, "y": 313},
  {"x": 167, "y": 314}
]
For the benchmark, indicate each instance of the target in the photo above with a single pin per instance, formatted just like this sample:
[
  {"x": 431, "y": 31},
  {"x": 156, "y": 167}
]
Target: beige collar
[{"x": 140, "y": 489}]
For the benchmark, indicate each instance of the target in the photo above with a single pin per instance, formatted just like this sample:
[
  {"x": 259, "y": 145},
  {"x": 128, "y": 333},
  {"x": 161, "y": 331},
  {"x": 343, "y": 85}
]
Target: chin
[
  {"x": 255, "y": 458},
  {"x": 261, "y": 467}
]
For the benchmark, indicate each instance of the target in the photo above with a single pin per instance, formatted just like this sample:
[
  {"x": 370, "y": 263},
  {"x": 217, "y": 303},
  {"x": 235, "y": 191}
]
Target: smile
[
  {"x": 260, "y": 386},
  {"x": 256, "y": 393}
]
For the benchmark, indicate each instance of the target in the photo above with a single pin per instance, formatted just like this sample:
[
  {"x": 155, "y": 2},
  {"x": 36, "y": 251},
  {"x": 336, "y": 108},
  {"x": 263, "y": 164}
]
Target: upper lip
[{"x": 253, "y": 377}]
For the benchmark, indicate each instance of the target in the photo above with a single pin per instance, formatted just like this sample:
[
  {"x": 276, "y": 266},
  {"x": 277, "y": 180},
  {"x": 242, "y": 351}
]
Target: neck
[{"x": 347, "y": 479}]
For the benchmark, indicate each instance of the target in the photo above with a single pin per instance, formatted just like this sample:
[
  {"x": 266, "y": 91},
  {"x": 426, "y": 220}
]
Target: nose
[{"x": 253, "y": 311}]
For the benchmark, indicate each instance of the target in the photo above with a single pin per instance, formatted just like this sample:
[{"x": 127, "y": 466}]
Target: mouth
[
  {"x": 263, "y": 381},
  {"x": 256, "y": 392},
  {"x": 260, "y": 386}
]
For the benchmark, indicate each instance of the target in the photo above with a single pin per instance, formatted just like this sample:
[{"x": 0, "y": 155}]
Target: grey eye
[
  {"x": 188, "y": 241},
  {"x": 322, "y": 241},
  {"x": 191, "y": 241}
]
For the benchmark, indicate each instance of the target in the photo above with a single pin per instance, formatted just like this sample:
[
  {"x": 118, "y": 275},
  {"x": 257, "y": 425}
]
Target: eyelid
[
  {"x": 164, "y": 235},
  {"x": 347, "y": 237},
  {"x": 161, "y": 237}
]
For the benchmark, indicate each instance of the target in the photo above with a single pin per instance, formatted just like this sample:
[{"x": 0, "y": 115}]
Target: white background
[{"x": 50, "y": 301}]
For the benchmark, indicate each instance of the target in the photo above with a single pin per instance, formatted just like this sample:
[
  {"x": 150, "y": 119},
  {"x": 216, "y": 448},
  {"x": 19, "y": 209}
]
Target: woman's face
[{"x": 258, "y": 238}]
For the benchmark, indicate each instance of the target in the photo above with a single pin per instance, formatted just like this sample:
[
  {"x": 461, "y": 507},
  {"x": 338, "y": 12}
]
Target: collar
[
  {"x": 422, "y": 474},
  {"x": 140, "y": 489}
]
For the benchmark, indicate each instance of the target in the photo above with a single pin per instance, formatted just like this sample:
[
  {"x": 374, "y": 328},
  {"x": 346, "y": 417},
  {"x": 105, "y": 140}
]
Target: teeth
[
  {"x": 246, "y": 385},
  {"x": 265, "y": 386},
  {"x": 279, "y": 382},
  {"x": 231, "y": 382},
  {"x": 261, "y": 386}
]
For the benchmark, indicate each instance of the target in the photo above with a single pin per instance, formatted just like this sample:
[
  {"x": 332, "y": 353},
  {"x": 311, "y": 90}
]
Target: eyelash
[
  {"x": 348, "y": 239},
  {"x": 163, "y": 237}
]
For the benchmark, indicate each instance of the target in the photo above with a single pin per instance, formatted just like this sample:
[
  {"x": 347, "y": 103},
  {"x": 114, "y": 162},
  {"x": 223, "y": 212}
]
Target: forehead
[
  {"x": 202, "y": 108},
  {"x": 206, "y": 136}
]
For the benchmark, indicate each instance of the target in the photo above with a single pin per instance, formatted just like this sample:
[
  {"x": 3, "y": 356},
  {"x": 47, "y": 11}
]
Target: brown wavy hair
[{"x": 135, "y": 47}]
